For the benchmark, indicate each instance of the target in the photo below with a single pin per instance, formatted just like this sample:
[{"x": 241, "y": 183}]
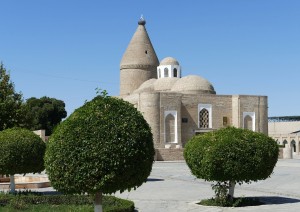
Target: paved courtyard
[{"x": 171, "y": 187}]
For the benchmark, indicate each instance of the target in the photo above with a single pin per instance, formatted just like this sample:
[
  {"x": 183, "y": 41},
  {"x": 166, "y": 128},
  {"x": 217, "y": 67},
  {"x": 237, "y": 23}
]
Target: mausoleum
[{"x": 176, "y": 106}]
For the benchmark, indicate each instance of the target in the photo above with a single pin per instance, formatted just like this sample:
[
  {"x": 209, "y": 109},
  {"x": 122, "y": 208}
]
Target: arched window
[
  {"x": 204, "y": 118},
  {"x": 175, "y": 72},
  {"x": 166, "y": 72},
  {"x": 293, "y": 145},
  {"x": 170, "y": 128},
  {"x": 248, "y": 122},
  {"x": 284, "y": 142}
]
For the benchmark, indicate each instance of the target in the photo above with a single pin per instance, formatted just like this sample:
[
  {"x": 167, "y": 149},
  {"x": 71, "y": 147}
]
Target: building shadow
[
  {"x": 154, "y": 179},
  {"x": 277, "y": 200}
]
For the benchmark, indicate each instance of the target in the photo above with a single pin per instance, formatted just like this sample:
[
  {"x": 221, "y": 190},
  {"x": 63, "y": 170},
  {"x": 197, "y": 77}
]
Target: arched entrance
[{"x": 293, "y": 145}]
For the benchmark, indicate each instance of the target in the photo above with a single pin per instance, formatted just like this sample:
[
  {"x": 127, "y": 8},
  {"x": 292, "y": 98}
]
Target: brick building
[{"x": 178, "y": 107}]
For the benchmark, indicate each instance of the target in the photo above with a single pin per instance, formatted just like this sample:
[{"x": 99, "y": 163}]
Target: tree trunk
[
  {"x": 98, "y": 202},
  {"x": 231, "y": 189},
  {"x": 12, "y": 184}
]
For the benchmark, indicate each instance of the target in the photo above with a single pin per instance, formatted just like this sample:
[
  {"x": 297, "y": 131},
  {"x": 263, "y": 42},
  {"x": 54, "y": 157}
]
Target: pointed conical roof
[{"x": 140, "y": 52}]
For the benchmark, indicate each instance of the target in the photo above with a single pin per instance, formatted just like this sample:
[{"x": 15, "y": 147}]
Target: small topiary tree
[
  {"x": 104, "y": 146},
  {"x": 231, "y": 156},
  {"x": 21, "y": 152}
]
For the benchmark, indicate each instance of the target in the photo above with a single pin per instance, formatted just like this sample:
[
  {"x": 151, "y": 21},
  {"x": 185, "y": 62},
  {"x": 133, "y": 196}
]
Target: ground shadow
[
  {"x": 49, "y": 192},
  {"x": 277, "y": 200},
  {"x": 154, "y": 179}
]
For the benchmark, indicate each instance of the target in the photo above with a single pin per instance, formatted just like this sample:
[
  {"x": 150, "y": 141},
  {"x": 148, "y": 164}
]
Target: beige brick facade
[{"x": 178, "y": 108}]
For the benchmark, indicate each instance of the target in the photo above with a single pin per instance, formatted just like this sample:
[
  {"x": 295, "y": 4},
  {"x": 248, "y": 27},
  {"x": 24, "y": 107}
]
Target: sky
[{"x": 66, "y": 49}]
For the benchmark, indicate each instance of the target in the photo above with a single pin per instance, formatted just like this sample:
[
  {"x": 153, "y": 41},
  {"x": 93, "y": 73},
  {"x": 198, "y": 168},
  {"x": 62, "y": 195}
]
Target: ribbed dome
[
  {"x": 161, "y": 84},
  {"x": 193, "y": 85},
  {"x": 169, "y": 61},
  {"x": 165, "y": 84},
  {"x": 146, "y": 86}
]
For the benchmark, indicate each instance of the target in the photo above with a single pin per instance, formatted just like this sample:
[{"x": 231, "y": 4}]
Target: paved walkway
[{"x": 171, "y": 187}]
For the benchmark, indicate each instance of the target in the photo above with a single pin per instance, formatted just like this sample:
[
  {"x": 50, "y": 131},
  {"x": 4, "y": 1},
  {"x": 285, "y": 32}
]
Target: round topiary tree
[
  {"x": 104, "y": 146},
  {"x": 21, "y": 152},
  {"x": 229, "y": 156}
]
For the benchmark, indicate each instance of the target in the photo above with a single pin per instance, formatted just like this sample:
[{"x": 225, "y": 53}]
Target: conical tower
[{"x": 139, "y": 62}]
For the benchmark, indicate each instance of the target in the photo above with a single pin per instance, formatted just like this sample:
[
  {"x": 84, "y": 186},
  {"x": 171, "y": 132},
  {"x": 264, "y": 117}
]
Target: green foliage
[
  {"x": 106, "y": 145},
  {"x": 235, "y": 202},
  {"x": 44, "y": 113},
  {"x": 21, "y": 152},
  {"x": 221, "y": 191},
  {"x": 10, "y": 102},
  {"x": 18, "y": 203},
  {"x": 231, "y": 154},
  {"x": 39, "y": 202}
]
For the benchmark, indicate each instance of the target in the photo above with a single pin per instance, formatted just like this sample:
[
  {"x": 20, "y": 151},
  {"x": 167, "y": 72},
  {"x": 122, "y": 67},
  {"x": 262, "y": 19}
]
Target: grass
[
  {"x": 236, "y": 202},
  {"x": 32, "y": 201}
]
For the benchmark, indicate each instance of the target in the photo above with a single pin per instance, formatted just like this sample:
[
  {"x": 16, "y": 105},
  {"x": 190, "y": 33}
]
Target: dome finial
[{"x": 142, "y": 21}]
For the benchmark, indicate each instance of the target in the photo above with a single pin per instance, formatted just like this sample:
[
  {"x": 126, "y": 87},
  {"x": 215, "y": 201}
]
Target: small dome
[
  {"x": 193, "y": 85},
  {"x": 146, "y": 86},
  {"x": 169, "y": 61},
  {"x": 165, "y": 84}
]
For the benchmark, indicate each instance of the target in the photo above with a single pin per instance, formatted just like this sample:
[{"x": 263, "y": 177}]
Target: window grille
[{"x": 204, "y": 118}]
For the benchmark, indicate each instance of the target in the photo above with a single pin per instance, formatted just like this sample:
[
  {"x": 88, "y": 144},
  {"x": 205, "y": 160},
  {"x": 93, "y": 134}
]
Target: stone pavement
[{"x": 171, "y": 187}]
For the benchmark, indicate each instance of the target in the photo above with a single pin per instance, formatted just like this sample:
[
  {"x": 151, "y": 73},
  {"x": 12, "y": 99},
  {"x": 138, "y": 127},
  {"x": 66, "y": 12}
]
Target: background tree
[
  {"x": 231, "y": 156},
  {"x": 44, "y": 113},
  {"x": 21, "y": 152},
  {"x": 10, "y": 102},
  {"x": 104, "y": 146}
]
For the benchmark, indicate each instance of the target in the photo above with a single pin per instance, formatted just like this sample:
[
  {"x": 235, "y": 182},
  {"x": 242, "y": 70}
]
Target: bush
[
  {"x": 231, "y": 155},
  {"x": 24, "y": 201},
  {"x": 235, "y": 202},
  {"x": 104, "y": 146},
  {"x": 21, "y": 152}
]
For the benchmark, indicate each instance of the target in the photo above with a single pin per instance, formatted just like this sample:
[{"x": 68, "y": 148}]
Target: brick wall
[{"x": 169, "y": 154}]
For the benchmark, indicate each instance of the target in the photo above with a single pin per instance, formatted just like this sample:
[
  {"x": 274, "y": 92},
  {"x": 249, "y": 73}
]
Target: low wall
[{"x": 169, "y": 154}]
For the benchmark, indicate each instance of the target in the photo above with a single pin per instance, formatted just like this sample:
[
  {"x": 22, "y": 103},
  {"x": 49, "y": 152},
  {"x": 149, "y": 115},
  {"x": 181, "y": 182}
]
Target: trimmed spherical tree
[
  {"x": 229, "y": 156},
  {"x": 21, "y": 152},
  {"x": 103, "y": 147}
]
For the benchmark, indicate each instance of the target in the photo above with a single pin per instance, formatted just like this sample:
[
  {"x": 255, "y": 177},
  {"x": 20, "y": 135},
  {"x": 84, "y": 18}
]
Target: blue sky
[{"x": 67, "y": 48}]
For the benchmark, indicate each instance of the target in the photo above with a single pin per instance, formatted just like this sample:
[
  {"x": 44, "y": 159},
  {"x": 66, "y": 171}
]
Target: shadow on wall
[{"x": 188, "y": 125}]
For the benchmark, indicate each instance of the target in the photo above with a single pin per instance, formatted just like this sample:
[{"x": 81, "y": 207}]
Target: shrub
[
  {"x": 104, "y": 146},
  {"x": 230, "y": 156},
  {"x": 26, "y": 200},
  {"x": 21, "y": 152}
]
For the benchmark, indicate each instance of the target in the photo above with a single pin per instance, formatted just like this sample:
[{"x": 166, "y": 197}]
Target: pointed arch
[
  {"x": 170, "y": 127},
  {"x": 284, "y": 142},
  {"x": 293, "y": 145},
  {"x": 249, "y": 120},
  {"x": 166, "y": 72},
  {"x": 204, "y": 118},
  {"x": 175, "y": 72}
]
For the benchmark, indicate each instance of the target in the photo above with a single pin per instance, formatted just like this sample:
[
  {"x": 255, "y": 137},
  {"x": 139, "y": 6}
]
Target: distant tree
[
  {"x": 10, "y": 102},
  {"x": 229, "y": 156},
  {"x": 44, "y": 113},
  {"x": 104, "y": 146},
  {"x": 21, "y": 152}
]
